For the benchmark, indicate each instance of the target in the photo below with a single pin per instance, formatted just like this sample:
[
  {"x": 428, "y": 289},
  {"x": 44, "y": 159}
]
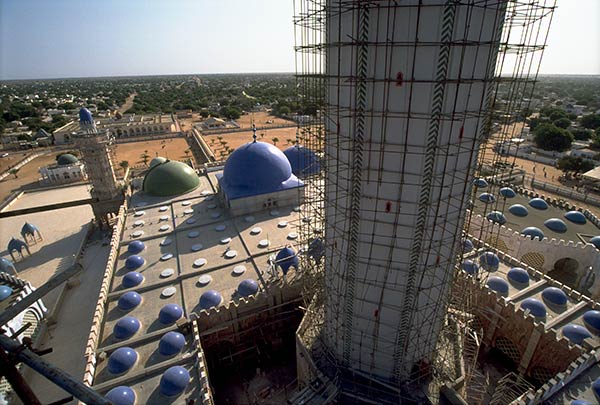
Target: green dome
[
  {"x": 170, "y": 178},
  {"x": 157, "y": 160},
  {"x": 66, "y": 159}
]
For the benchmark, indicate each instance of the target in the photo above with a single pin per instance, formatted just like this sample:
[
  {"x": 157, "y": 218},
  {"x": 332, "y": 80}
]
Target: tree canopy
[
  {"x": 591, "y": 121},
  {"x": 574, "y": 164},
  {"x": 550, "y": 137},
  {"x": 563, "y": 123}
]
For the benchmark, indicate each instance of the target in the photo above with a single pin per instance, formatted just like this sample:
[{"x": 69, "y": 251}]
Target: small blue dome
[
  {"x": 169, "y": 314},
  {"x": 507, "y": 192},
  {"x": 487, "y": 198},
  {"x": 554, "y": 296},
  {"x": 287, "y": 258},
  {"x": 595, "y": 241},
  {"x": 134, "y": 262},
  {"x": 576, "y": 217},
  {"x": 129, "y": 300},
  {"x": 132, "y": 279},
  {"x": 210, "y": 298},
  {"x": 85, "y": 115},
  {"x": 470, "y": 267},
  {"x": 533, "y": 232},
  {"x": 174, "y": 381},
  {"x": 468, "y": 246},
  {"x": 6, "y": 265},
  {"x": 126, "y": 327},
  {"x": 592, "y": 321},
  {"x": 497, "y": 217},
  {"x": 556, "y": 225},
  {"x": 576, "y": 333},
  {"x": 136, "y": 247},
  {"x": 518, "y": 275},
  {"x": 5, "y": 292},
  {"x": 16, "y": 244},
  {"x": 121, "y": 395},
  {"x": 257, "y": 168},
  {"x": 596, "y": 388},
  {"x": 498, "y": 284},
  {"x": 304, "y": 161},
  {"x": 580, "y": 402},
  {"x": 489, "y": 261},
  {"x": 121, "y": 360},
  {"x": 171, "y": 343},
  {"x": 481, "y": 183},
  {"x": 518, "y": 210},
  {"x": 247, "y": 287},
  {"x": 28, "y": 229},
  {"x": 535, "y": 306},
  {"x": 538, "y": 204}
]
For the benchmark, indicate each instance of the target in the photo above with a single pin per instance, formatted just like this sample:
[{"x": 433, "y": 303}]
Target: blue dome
[
  {"x": 171, "y": 343},
  {"x": 497, "y": 217},
  {"x": 518, "y": 275},
  {"x": 576, "y": 217},
  {"x": 507, "y": 192},
  {"x": 247, "y": 287},
  {"x": 174, "y": 381},
  {"x": 209, "y": 299},
  {"x": 121, "y": 395},
  {"x": 596, "y": 388},
  {"x": 169, "y": 314},
  {"x": 487, "y": 198},
  {"x": 518, "y": 210},
  {"x": 470, "y": 267},
  {"x": 468, "y": 246},
  {"x": 121, "y": 360},
  {"x": 554, "y": 296},
  {"x": 592, "y": 321},
  {"x": 16, "y": 244},
  {"x": 287, "y": 258},
  {"x": 533, "y": 232},
  {"x": 28, "y": 229},
  {"x": 6, "y": 265},
  {"x": 304, "y": 161},
  {"x": 132, "y": 279},
  {"x": 576, "y": 333},
  {"x": 580, "y": 402},
  {"x": 85, "y": 115},
  {"x": 498, "y": 284},
  {"x": 538, "y": 204},
  {"x": 489, "y": 261},
  {"x": 595, "y": 241},
  {"x": 535, "y": 306},
  {"x": 481, "y": 183},
  {"x": 5, "y": 292},
  {"x": 556, "y": 225},
  {"x": 136, "y": 247},
  {"x": 129, "y": 300},
  {"x": 257, "y": 168},
  {"x": 134, "y": 262},
  {"x": 126, "y": 327}
]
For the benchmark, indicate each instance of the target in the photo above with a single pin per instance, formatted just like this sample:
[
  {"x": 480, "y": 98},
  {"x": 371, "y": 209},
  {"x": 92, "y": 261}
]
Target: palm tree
[
  {"x": 187, "y": 153},
  {"x": 124, "y": 164},
  {"x": 275, "y": 140},
  {"x": 14, "y": 172},
  {"x": 145, "y": 156}
]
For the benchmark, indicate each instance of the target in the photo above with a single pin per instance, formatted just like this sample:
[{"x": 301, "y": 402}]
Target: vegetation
[
  {"x": 124, "y": 164},
  {"x": 145, "y": 156},
  {"x": 574, "y": 164},
  {"x": 14, "y": 172},
  {"x": 591, "y": 121},
  {"x": 550, "y": 137}
]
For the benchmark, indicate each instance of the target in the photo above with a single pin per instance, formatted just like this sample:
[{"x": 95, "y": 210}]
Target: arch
[
  {"x": 119, "y": 133},
  {"x": 540, "y": 375},
  {"x": 496, "y": 242},
  {"x": 565, "y": 271},
  {"x": 509, "y": 349},
  {"x": 533, "y": 259}
]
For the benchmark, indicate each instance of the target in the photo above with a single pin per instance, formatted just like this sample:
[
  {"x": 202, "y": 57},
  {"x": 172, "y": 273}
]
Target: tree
[
  {"x": 204, "y": 114},
  {"x": 275, "y": 140},
  {"x": 563, "y": 123},
  {"x": 581, "y": 134},
  {"x": 591, "y": 121},
  {"x": 187, "y": 153},
  {"x": 14, "y": 172},
  {"x": 145, "y": 156},
  {"x": 284, "y": 110},
  {"x": 124, "y": 164},
  {"x": 550, "y": 137},
  {"x": 574, "y": 164}
]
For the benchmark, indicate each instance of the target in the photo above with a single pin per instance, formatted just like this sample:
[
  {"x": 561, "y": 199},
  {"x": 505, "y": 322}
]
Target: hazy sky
[{"x": 74, "y": 38}]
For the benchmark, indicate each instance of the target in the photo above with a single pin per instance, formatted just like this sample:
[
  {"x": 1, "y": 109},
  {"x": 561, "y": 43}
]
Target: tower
[
  {"x": 94, "y": 147},
  {"x": 405, "y": 90}
]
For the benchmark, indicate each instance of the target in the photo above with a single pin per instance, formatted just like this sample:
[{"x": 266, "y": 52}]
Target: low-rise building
[{"x": 68, "y": 169}]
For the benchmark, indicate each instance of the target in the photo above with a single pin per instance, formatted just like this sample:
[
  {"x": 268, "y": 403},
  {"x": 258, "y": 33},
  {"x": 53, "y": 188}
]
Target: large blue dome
[
  {"x": 257, "y": 168},
  {"x": 286, "y": 258},
  {"x": 304, "y": 161},
  {"x": 85, "y": 115}
]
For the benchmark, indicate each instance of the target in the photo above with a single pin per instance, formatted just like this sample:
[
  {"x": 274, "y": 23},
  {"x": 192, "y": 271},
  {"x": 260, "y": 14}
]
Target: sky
[{"x": 86, "y": 38}]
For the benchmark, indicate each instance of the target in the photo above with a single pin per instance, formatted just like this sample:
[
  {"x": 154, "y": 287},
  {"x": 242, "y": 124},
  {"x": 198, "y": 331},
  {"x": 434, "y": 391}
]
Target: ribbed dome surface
[
  {"x": 66, "y": 159},
  {"x": 85, "y": 115},
  {"x": 169, "y": 179}
]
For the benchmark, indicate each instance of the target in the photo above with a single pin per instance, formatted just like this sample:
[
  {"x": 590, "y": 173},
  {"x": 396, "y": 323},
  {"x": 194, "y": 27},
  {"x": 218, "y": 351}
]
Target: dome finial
[{"x": 254, "y": 132}]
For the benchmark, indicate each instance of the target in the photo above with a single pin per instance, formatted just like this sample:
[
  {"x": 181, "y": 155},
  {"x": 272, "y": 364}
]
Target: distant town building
[
  {"x": 67, "y": 169},
  {"x": 574, "y": 108}
]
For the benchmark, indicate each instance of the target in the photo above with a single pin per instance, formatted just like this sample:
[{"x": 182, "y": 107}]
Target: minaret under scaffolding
[{"x": 94, "y": 146}]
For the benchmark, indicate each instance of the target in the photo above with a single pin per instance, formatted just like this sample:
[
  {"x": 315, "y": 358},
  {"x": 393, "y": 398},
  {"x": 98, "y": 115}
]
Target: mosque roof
[
  {"x": 170, "y": 178},
  {"x": 66, "y": 159},
  {"x": 85, "y": 115},
  {"x": 257, "y": 168}
]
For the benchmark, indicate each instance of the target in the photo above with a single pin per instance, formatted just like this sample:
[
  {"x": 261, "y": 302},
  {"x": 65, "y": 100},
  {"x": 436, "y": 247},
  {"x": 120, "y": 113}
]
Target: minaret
[{"x": 94, "y": 147}]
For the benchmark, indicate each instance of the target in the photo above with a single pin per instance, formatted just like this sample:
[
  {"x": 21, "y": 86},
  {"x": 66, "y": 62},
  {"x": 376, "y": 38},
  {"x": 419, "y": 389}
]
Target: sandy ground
[
  {"x": 172, "y": 148},
  {"x": 27, "y": 175},
  {"x": 236, "y": 139},
  {"x": 12, "y": 159},
  {"x": 128, "y": 103},
  {"x": 261, "y": 119}
]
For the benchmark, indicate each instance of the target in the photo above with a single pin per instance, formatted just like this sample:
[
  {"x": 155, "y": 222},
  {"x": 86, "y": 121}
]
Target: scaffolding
[{"x": 403, "y": 102}]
